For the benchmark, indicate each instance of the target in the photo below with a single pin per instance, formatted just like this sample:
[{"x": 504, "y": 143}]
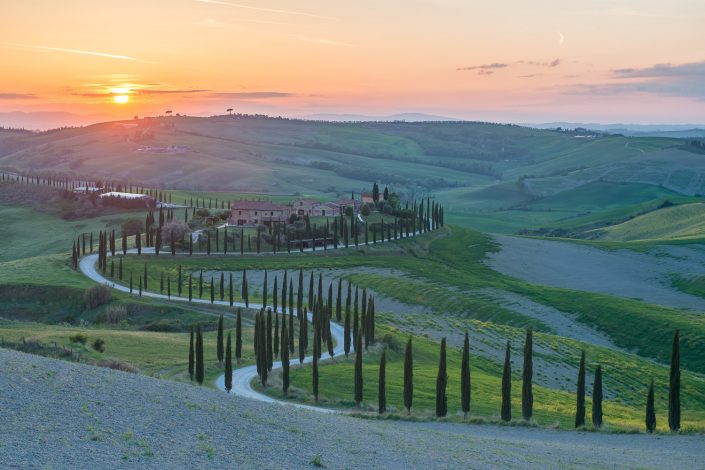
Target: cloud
[
  {"x": 488, "y": 69},
  {"x": 496, "y": 65},
  {"x": 17, "y": 96},
  {"x": 77, "y": 51},
  {"x": 252, "y": 95},
  {"x": 148, "y": 91},
  {"x": 266, "y": 10},
  {"x": 681, "y": 80}
]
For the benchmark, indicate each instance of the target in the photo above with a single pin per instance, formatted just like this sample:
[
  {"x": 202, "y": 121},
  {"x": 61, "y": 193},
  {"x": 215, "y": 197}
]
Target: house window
[
  {"x": 323, "y": 212},
  {"x": 255, "y": 214},
  {"x": 272, "y": 213},
  {"x": 239, "y": 213}
]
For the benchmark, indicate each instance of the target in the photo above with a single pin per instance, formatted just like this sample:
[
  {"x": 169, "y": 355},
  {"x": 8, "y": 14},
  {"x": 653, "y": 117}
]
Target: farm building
[{"x": 258, "y": 212}]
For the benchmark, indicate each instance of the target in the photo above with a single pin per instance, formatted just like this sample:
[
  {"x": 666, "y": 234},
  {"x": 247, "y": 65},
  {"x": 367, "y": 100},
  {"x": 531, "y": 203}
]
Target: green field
[{"x": 679, "y": 222}]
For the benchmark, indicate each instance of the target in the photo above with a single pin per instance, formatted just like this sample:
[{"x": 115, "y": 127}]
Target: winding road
[{"x": 244, "y": 376}]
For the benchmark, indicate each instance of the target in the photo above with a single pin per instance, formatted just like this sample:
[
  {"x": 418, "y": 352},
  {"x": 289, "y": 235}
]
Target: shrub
[
  {"x": 115, "y": 314},
  {"x": 97, "y": 295},
  {"x": 118, "y": 365},
  {"x": 79, "y": 338},
  {"x": 99, "y": 345},
  {"x": 392, "y": 343},
  {"x": 365, "y": 210}
]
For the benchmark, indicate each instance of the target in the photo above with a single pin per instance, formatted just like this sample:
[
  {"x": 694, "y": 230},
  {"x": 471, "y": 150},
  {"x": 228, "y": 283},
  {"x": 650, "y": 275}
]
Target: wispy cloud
[
  {"x": 488, "y": 69},
  {"x": 252, "y": 95},
  {"x": 262, "y": 9},
  {"x": 77, "y": 51},
  {"x": 148, "y": 91},
  {"x": 682, "y": 80},
  {"x": 17, "y": 96}
]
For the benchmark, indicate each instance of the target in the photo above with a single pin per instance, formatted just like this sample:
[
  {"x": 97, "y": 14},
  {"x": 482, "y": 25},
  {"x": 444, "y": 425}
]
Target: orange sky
[{"x": 504, "y": 60}]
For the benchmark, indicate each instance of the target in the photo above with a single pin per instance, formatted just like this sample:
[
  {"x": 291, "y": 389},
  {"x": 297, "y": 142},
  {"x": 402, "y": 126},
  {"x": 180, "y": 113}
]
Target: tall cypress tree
[
  {"x": 314, "y": 377},
  {"x": 231, "y": 297},
  {"x": 674, "y": 389},
  {"x": 358, "y": 372},
  {"x": 338, "y": 301},
  {"x": 346, "y": 328},
  {"x": 264, "y": 347},
  {"x": 650, "y": 409},
  {"x": 238, "y": 335},
  {"x": 597, "y": 398},
  {"x": 302, "y": 336},
  {"x": 222, "y": 286},
  {"x": 441, "y": 383},
  {"x": 527, "y": 394},
  {"x": 228, "y": 365},
  {"x": 200, "y": 285},
  {"x": 285, "y": 359},
  {"x": 506, "y": 413},
  {"x": 275, "y": 294},
  {"x": 580, "y": 403},
  {"x": 219, "y": 341},
  {"x": 244, "y": 294},
  {"x": 199, "y": 356},
  {"x": 465, "y": 377},
  {"x": 382, "y": 393},
  {"x": 276, "y": 334},
  {"x": 270, "y": 345},
  {"x": 290, "y": 329},
  {"x": 212, "y": 291},
  {"x": 408, "y": 376},
  {"x": 191, "y": 357},
  {"x": 190, "y": 287}
]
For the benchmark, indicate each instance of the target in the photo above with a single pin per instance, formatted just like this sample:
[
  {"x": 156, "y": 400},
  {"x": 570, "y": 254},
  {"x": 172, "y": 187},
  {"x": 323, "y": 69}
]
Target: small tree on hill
[
  {"x": 506, "y": 413},
  {"x": 441, "y": 383},
  {"x": 465, "y": 377},
  {"x": 580, "y": 403},
  {"x": 228, "y": 365},
  {"x": 527, "y": 395},
  {"x": 674, "y": 389},
  {"x": 650, "y": 409},
  {"x": 597, "y": 398}
]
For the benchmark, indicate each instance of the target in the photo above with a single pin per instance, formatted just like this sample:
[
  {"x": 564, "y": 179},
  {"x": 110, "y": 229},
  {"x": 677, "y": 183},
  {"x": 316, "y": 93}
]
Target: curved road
[{"x": 242, "y": 377}]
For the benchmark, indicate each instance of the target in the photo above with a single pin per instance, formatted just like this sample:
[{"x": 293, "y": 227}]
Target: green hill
[{"x": 677, "y": 222}]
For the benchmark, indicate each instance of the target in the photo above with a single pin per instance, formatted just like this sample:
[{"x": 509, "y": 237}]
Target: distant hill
[
  {"x": 48, "y": 120},
  {"x": 411, "y": 117},
  {"x": 643, "y": 130}
]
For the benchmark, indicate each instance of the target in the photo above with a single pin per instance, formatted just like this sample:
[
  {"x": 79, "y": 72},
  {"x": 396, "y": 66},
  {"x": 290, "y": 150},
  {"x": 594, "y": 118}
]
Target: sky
[{"x": 633, "y": 61}]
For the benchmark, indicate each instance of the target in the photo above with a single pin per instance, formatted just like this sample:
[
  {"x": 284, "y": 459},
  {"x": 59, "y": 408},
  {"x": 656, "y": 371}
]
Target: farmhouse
[
  {"x": 366, "y": 197},
  {"x": 257, "y": 212}
]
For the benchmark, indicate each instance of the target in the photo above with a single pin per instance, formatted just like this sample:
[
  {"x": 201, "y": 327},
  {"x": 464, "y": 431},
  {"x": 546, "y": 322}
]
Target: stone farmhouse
[{"x": 246, "y": 212}]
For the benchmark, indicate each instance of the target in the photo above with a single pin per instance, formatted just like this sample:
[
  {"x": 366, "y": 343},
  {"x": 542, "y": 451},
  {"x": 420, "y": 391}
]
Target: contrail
[
  {"x": 76, "y": 51},
  {"x": 268, "y": 10}
]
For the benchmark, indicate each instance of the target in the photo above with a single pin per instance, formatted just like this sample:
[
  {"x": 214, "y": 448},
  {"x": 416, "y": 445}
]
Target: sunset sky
[{"x": 501, "y": 60}]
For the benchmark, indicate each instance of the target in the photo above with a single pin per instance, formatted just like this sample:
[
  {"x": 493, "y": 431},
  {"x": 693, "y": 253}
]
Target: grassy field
[
  {"x": 682, "y": 221},
  {"x": 551, "y": 407}
]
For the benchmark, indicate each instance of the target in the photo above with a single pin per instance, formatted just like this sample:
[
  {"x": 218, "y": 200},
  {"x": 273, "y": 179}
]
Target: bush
[
  {"x": 115, "y": 314},
  {"x": 365, "y": 210},
  {"x": 118, "y": 365},
  {"x": 78, "y": 338},
  {"x": 99, "y": 345},
  {"x": 97, "y": 295}
]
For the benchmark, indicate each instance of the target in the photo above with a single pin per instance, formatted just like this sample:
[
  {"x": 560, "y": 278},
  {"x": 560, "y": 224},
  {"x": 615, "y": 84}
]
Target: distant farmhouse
[{"x": 246, "y": 212}]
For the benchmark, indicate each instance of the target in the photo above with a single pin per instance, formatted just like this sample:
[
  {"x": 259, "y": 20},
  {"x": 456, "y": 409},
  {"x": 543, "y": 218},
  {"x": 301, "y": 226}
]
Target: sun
[{"x": 121, "y": 99}]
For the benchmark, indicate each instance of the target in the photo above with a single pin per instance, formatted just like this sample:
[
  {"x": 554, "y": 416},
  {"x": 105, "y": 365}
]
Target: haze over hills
[{"x": 644, "y": 130}]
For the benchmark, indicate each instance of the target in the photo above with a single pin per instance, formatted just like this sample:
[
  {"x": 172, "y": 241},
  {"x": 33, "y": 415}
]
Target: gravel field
[
  {"x": 57, "y": 414},
  {"x": 624, "y": 273}
]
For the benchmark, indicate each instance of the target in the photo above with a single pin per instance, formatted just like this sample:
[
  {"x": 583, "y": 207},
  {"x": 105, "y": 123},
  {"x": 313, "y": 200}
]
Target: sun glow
[{"x": 120, "y": 99}]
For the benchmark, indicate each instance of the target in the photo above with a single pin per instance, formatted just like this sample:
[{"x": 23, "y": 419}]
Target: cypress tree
[
  {"x": 264, "y": 290},
  {"x": 674, "y": 389},
  {"x": 346, "y": 331},
  {"x": 291, "y": 316},
  {"x": 222, "y": 286},
  {"x": 356, "y": 320},
  {"x": 358, "y": 372},
  {"x": 270, "y": 345},
  {"x": 219, "y": 342},
  {"x": 382, "y": 394},
  {"x": 285, "y": 359},
  {"x": 179, "y": 282},
  {"x": 120, "y": 269},
  {"x": 264, "y": 347},
  {"x": 238, "y": 335},
  {"x": 130, "y": 282},
  {"x": 145, "y": 276},
  {"x": 190, "y": 287},
  {"x": 580, "y": 404},
  {"x": 168, "y": 287},
  {"x": 408, "y": 377},
  {"x": 191, "y": 357},
  {"x": 300, "y": 295},
  {"x": 314, "y": 376},
  {"x": 506, "y": 413},
  {"x": 465, "y": 377},
  {"x": 527, "y": 395},
  {"x": 284, "y": 292},
  {"x": 276, "y": 334},
  {"x": 231, "y": 297},
  {"x": 140, "y": 288},
  {"x": 441, "y": 383},
  {"x": 302, "y": 337},
  {"x": 310, "y": 291},
  {"x": 597, "y": 398},
  {"x": 650, "y": 410},
  {"x": 228, "y": 365},
  {"x": 212, "y": 291},
  {"x": 200, "y": 285},
  {"x": 338, "y": 301},
  {"x": 199, "y": 356},
  {"x": 245, "y": 297},
  {"x": 275, "y": 294}
]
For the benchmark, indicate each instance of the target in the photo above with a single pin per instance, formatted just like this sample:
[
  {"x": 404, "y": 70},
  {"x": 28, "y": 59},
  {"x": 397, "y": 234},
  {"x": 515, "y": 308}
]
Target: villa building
[{"x": 258, "y": 213}]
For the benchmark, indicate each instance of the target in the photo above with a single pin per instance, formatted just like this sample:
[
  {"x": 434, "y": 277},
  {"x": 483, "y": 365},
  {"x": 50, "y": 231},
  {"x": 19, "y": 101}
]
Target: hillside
[
  {"x": 119, "y": 420},
  {"x": 684, "y": 221}
]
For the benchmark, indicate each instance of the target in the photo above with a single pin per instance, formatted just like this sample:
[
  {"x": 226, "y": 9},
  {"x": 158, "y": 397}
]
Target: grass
[
  {"x": 679, "y": 222},
  {"x": 551, "y": 407}
]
